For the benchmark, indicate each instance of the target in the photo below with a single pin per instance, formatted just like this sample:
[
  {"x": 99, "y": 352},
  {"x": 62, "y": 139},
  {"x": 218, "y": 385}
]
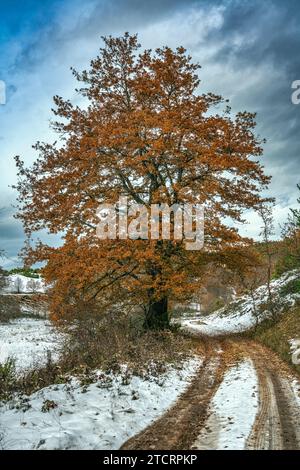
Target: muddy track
[
  {"x": 179, "y": 427},
  {"x": 277, "y": 424}
]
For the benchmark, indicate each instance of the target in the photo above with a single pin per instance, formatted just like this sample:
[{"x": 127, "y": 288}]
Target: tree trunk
[{"x": 157, "y": 317}]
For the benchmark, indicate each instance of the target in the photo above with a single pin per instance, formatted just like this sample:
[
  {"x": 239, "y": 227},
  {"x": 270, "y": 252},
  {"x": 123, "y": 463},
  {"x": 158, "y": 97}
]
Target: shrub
[
  {"x": 9, "y": 308},
  {"x": 292, "y": 287},
  {"x": 106, "y": 341},
  {"x": 28, "y": 272},
  {"x": 277, "y": 334},
  {"x": 48, "y": 405},
  {"x": 8, "y": 377}
]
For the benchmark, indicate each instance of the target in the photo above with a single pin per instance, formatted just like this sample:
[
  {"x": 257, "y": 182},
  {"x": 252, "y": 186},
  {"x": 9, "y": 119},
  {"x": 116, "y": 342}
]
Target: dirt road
[{"x": 277, "y": 422}]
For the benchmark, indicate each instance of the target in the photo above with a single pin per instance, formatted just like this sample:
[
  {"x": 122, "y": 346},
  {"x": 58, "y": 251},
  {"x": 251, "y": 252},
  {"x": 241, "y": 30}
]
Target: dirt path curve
[{"x": 277, "y": 424}]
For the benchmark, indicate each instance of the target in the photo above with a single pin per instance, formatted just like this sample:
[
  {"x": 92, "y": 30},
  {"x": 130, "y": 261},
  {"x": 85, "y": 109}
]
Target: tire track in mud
[
  {"x": 266, "y": 431},
  {"x": 277, "y": 423},
  {"x": 180, "y": 426},
  {"x": 288, "y": 428}
]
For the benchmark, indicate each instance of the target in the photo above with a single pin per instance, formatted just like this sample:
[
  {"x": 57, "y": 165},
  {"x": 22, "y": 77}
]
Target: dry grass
[
  {"x": 105, "y": 343},
  {"x": 276, "y": 335},
  {"x": 9, "y": 308},
  {"x": 117, "y": 339}
]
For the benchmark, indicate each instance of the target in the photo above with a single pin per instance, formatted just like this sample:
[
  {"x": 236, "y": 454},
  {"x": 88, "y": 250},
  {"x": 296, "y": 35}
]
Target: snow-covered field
[
  {"x": 102, "y": 415},
  {"x": 243, "y": 314},
  {"x": 28, "y": 340}
]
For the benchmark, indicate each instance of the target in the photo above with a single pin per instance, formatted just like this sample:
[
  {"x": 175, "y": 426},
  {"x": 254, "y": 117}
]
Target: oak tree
[{"x": 143, "y": 130}]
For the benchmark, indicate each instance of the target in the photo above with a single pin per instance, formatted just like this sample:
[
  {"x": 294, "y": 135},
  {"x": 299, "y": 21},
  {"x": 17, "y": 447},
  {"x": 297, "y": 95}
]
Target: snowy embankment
[
  {"x": 27, "y": 340},
  {"x": 102, "y": 415},
  {"x": 245, "y": 312},
  {"x": 230, "y": 420}
]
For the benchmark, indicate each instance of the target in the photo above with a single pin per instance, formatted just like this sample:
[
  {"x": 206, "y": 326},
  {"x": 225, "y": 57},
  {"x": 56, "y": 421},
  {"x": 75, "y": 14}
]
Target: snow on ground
[
  {"x": 295, "y": 350},
  {"x": 27, "y": 340},
  {"x": 242, "y": 314},
  {"x": 102, "y": 415},
  {"x": 17, "y": 283},
  {"x": 232, "y": 410},
  {"x": 296, "y": 390}
]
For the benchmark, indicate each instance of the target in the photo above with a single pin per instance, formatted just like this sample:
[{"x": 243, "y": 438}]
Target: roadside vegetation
[
  {"x": 279, "y": 335},
  {"x": 27, "y": 272},
  {"x": 105, "y": 344}
]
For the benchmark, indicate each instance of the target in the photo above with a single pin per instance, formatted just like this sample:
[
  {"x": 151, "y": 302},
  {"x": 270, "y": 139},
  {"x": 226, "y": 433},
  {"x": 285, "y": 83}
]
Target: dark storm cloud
[
  {"x": 95, "y": 19},
  {"x": 11, "y": 236},
  {"x": 10, "y": 230},
  {"x": 264, "y": 38},
  {"x": 272, "y": 31}
]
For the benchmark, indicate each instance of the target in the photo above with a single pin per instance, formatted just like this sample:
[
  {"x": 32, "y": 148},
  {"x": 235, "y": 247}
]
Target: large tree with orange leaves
[{"x": 143, "y": 131}]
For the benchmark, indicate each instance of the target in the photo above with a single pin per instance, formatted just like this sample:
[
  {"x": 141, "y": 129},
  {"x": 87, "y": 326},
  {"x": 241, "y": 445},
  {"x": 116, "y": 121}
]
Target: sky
[{"x": 249, "y": 52}]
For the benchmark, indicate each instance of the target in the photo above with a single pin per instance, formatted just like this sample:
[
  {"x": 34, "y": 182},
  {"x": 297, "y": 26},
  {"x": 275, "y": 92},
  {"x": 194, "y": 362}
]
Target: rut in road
[
  {"x": 277, "y": 424},
  {"x": 179, "y": 427}
]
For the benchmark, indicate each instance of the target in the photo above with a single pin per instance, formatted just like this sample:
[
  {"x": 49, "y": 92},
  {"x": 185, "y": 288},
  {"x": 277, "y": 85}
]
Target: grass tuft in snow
[{"x": 8, "y": 378}]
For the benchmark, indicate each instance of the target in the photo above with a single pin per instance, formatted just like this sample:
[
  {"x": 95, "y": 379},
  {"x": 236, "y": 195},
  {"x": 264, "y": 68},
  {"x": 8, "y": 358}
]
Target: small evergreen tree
[
  {"x": 290, "y": 233},
  {"x": 296, "y": 212}
]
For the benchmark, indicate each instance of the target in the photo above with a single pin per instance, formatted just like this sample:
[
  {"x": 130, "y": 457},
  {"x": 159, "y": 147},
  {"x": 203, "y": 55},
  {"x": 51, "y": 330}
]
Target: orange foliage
[{"x": 143, "y": 131}]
